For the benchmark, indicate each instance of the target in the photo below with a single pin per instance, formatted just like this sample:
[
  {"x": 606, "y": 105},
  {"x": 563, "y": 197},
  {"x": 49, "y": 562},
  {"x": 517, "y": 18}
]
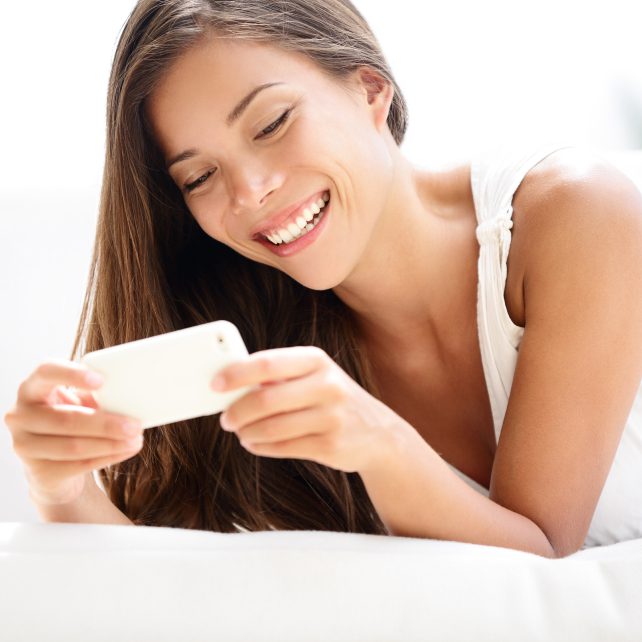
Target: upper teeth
[{"x": 295, "y": 228}]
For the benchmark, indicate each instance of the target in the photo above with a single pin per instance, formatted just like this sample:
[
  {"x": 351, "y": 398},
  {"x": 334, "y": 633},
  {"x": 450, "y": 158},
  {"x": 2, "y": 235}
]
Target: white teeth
[{"x": 293, "y": 230}]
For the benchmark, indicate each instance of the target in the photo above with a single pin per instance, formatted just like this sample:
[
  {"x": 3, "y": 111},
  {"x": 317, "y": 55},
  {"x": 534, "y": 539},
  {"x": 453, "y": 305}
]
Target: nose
[{"x": 250, "y": 184}]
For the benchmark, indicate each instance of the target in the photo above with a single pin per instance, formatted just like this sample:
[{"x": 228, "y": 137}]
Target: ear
[{"x": 379, "y": 94}]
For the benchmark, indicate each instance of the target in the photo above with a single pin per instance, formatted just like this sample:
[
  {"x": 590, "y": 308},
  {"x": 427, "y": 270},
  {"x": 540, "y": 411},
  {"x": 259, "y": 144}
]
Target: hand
[
  {"x": 307, "y": 408},
  {"x": 61, "y": 435}
]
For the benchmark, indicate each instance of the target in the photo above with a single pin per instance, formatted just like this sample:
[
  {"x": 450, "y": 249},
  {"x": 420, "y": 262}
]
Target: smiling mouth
[{"x": 299, "y": 224}]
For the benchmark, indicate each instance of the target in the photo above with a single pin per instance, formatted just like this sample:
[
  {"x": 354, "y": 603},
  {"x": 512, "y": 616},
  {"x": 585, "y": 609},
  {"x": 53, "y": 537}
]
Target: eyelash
[{"x": 270, "y": 129}]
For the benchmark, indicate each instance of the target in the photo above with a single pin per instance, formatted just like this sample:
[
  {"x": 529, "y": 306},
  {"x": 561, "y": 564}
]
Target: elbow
[
  {"x": 564, "y": 551},
  {"x": 563, "y": 546}
]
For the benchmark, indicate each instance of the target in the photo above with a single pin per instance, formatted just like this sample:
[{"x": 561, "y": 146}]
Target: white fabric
[
  {"x": 80, "y": 582},
  {"x": 495, "y": 176}
]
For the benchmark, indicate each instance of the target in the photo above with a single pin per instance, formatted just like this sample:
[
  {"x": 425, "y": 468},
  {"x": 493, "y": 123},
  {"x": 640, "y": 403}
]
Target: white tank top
[{"x": 495, "y": 176}]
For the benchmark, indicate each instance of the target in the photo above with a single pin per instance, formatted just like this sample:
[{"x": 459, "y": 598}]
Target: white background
[{"x": 471, "y": 72}]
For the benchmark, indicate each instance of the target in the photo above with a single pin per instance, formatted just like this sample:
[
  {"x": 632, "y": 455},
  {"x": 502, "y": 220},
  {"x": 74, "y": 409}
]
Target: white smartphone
[{"x": 166, "y": 378}]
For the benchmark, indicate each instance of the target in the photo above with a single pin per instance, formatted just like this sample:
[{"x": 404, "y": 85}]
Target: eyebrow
[{"x": 232, "y": 117}]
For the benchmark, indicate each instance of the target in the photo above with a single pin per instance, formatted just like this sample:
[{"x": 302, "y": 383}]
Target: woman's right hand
[{"x": 61, "y": 435}]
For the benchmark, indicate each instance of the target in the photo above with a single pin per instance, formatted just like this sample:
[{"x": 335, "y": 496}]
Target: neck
[{"x": 412, "y": 288}]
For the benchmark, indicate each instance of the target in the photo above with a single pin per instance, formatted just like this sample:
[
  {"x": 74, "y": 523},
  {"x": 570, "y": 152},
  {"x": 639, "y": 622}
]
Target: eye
[
  {"x": 199, "y": 181},
  {"x": 276, "y": 124},
  {"x": 270, "y": 129}
]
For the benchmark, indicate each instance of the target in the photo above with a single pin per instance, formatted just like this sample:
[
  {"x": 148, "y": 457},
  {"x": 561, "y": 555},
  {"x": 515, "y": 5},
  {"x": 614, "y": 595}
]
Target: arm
[
  {"x": 416, "y": 494},
  {"x": 577, "y": 374},
  {"x": 92, "y": 507}
]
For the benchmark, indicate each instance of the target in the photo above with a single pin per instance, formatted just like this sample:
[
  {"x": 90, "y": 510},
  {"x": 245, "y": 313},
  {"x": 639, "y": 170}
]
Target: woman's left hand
[{"x": 308, "y": 408}]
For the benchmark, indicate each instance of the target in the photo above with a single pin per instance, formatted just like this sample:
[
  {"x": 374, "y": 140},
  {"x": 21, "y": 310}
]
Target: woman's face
[{"x": 256, "y": 155}]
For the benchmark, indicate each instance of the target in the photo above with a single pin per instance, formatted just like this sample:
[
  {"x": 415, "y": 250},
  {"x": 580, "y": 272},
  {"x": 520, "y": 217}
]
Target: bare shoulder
[
  {"x": 572, "y": 179},
  {"x": 573, "y": 171},
  {"x": 579, "y": 369},
  {"x": 573, "y": 193}
]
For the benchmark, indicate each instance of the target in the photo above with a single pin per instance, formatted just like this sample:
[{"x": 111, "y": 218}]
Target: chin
[{"x": 317, "y": 281}]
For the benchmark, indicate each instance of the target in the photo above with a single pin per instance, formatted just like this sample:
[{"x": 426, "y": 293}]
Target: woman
[{"x": 253, "y": 173}]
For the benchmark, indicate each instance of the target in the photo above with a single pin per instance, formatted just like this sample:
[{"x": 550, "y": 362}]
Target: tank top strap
[
  {"x": 495, "y": 176},
  {"x": 497, "y": 172}
]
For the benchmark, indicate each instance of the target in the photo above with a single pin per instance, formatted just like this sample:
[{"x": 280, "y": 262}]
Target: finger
[
  {"x": 311, "y": 447},
  {"x": 55, "y": 372},
  {"x": 79, "y": 397},
  {"x": 69, "y": 395},
  {"x": 286, "y": 426},
  {"x": 271, "y": 365},
  {"x": 42, "y": 473},
  {"x": 76, "y": 421},
  {"x": 288, "y": 396},
  {"x": 53, "y": 448}
]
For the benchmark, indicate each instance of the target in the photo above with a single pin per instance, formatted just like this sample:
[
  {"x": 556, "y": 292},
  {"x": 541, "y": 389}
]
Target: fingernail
[
  {"x": 218, "y": 383},
  {"x": 94, "y": 379},
  {"x": 132, "y": 428},
  {"x": 136, "y": 442}
]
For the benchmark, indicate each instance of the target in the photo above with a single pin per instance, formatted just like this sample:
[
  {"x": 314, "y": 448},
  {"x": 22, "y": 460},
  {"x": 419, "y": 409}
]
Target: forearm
[
  {"x": 416, "y": 494},
  {"x": 92, "y": 507}
]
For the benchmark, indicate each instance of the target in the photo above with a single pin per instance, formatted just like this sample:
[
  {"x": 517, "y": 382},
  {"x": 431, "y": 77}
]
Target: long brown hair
[{"x": 154, "y": 270}]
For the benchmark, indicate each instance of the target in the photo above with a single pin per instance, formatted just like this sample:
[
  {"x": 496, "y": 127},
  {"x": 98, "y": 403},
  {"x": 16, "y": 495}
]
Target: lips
[{"x": 285, "y": 216}]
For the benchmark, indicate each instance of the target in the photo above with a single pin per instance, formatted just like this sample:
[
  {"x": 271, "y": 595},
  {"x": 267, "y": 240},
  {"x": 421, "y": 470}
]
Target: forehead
[{"x": 209, "y": 79}]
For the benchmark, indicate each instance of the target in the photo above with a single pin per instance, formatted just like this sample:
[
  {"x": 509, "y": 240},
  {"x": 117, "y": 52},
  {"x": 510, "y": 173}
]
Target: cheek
[
  {"x": 338, "y": 143},
  {"x": 323, "y": 145},
  {"x": 209, "y": 217},
  {"x": 303, "y": 145},
  {"x": 326, "y": 128}
]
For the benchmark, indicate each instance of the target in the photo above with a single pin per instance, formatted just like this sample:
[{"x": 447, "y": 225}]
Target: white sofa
[{"x": 89, "y": 582}]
